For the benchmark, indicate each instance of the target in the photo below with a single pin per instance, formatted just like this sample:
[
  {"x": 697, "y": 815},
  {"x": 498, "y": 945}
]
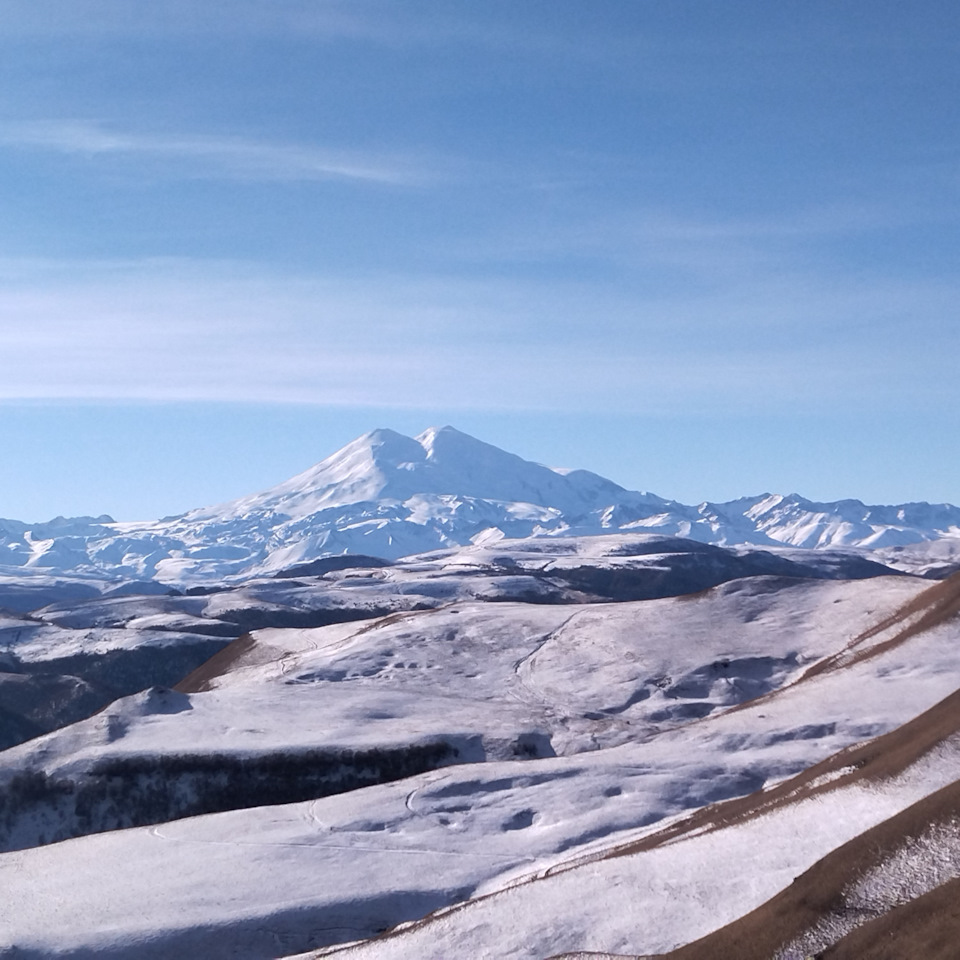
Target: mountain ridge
[{"x": 388, "y": 495}]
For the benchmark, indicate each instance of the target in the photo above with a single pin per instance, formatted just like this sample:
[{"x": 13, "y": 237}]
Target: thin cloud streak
[
  {"x": 118, "y": 18},
  {"x": 168, "y": 330},
  {"x": 234, "y": 157},
  {"x": 381, "y": 22}
]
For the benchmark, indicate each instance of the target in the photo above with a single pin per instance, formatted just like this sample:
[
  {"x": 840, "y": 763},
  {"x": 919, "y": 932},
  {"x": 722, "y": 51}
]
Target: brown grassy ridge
[
  {"x": 222, "y": 662},
  {"x": 927, "y": 928},
  {"x": 820, "y": 892},
  {"x": 926, "y": 610}
]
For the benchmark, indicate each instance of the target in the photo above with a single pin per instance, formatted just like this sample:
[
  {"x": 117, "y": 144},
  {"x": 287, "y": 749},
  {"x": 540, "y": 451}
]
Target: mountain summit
[
  {"x": 384, "y": 465},
  {"x": 389, "y": 495}
]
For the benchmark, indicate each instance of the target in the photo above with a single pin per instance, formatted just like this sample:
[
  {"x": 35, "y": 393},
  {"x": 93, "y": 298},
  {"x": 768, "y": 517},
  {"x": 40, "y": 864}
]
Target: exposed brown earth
[
  {"x": 927, "y": 928},
  {"x": 821, "y": 893},
  {"x": 219, "y": 664},
  {"x": 586, "y": 955}
]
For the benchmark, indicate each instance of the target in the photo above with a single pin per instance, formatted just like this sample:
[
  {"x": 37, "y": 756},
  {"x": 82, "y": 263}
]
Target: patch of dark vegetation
[
  {"x": 203, "y": 591},
  {"x": 246, "y": 619},
  {"x": 683, "y": 568},
  {"x": 530, "y": 746},
  {"x": 681, "y": 711},
  {"x": 693, "y": 572},
  {"x": 133, "y": 791},
  {"x": 122, "y": 672},
  {"x": 24, "y": 597},
  {"x": 662, "y": 545},
  {"x": 317, "y": 568},
  {"x": 14, "y": 727},
  {"x": 679, "y": 574},
  {"x": 34, "y": 704},
  {"x": 942, "y": 572},
  {"x": 552, "y": 596}
]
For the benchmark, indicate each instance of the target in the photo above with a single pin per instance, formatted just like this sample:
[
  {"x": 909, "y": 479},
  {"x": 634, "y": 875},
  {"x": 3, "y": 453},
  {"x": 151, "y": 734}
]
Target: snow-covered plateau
[{"x": 429, "y": 700}]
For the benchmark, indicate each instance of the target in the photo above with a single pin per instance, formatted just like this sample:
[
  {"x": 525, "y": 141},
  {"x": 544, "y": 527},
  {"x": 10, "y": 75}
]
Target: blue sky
[{"x": 705, "y": 249}]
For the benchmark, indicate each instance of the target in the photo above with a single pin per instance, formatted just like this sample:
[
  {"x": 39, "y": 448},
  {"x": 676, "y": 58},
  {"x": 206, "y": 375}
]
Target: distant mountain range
[{"x": 388, "y": 495}]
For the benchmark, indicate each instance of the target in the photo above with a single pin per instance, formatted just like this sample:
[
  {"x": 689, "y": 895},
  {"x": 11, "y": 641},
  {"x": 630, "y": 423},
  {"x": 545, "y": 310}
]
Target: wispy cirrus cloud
[
  {"x": 199, "y": 155},
  {"x": 381, "y": 22},
  {"x": 218, "y": 331},
  {"x": 182, "y": 17}
]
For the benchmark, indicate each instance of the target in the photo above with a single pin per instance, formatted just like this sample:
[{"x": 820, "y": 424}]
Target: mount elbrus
[{"x": 389, "y": 496}]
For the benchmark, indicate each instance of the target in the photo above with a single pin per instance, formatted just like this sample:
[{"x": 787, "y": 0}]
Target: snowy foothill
[
  {"x": 276, "y": 879},
  {"x": 71, "y": 644},
  {"x": 624, "y": 903}
]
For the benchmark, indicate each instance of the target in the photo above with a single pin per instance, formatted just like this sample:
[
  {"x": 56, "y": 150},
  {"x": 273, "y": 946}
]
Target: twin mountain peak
[{"x": 389, "y": 495}]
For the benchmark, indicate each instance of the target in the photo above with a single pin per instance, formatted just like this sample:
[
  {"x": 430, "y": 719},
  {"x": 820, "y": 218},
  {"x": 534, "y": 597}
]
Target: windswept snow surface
[
  {"x": 652, "y": 901},
  {"x": 609, "y": 688},
  {"x": 388, "y": 495}
]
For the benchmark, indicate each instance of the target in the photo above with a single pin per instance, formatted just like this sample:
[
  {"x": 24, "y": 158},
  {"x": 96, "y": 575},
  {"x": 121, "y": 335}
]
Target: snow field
[{"x": 284, "y": 878}]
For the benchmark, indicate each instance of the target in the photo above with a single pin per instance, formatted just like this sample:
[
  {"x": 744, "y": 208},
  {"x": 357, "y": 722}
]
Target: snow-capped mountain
[
  {"x": 390, "y": 496},
  {"x": 386, "y": 466}
]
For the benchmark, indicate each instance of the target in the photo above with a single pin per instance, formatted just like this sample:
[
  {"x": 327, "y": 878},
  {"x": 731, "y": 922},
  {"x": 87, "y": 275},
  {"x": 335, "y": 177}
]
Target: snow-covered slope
[
  {"x": 101, "y": 640},
  {"x": 685, "y": 877},
  {"x": 873, "y": 880},
  {"x": 524, "y": 845},
  {"x": 391, "y": 496},
  {"x": 512, "y": 680},
  {"x": 385, "y": 465}
]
